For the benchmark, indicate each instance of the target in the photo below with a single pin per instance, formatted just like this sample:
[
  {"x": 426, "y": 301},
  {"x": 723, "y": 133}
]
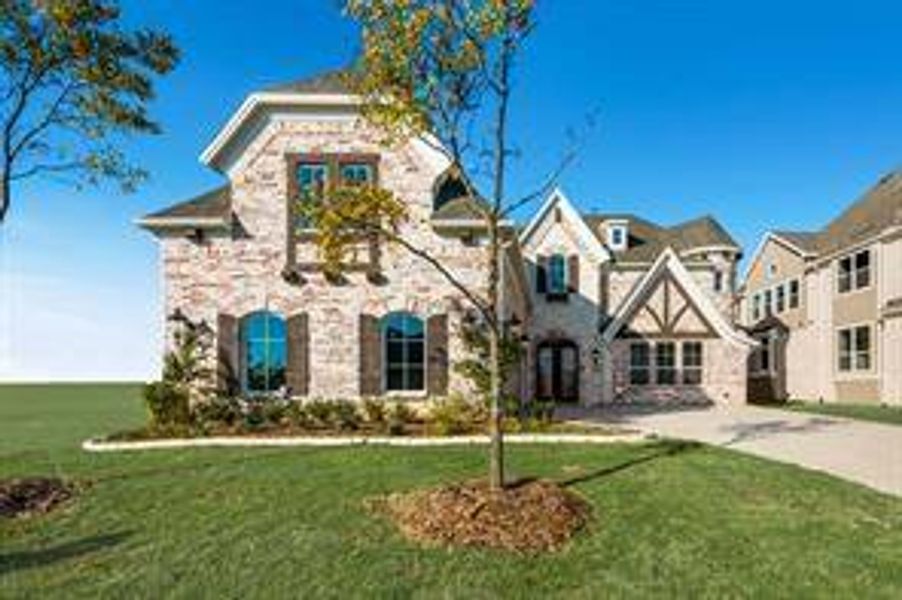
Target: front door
[{"x": 557, "y": 371}]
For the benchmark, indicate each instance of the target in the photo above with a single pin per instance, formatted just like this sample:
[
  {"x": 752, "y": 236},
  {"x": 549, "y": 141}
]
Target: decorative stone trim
[{"x": 92, "y": 445}]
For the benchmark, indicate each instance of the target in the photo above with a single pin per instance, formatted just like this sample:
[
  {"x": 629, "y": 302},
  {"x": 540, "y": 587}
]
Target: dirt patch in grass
[
  {"x": 33, "y": 496},
  {"x": 529, "y": 516}
]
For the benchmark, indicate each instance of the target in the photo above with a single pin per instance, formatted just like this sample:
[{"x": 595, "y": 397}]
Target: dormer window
[{"x": 618, "y": 235}]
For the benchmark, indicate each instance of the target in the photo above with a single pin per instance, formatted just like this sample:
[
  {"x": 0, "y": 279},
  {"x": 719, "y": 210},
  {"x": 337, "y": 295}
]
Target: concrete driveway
[{"x": 866, "y": 453}]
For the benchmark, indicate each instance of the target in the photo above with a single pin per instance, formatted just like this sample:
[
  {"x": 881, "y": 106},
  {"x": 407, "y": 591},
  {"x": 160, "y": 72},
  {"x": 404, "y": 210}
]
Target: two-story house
[
  {"x": 625, "y": 310},
  {"x": 609, "y": 307},
  {"x": 826, "y": 306}
]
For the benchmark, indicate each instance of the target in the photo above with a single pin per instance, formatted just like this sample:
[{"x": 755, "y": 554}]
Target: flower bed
[{"x": 279, "y": 418}]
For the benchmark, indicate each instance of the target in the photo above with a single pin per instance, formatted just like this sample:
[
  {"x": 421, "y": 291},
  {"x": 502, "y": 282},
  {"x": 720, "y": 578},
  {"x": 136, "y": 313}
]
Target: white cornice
[
  {"x": 586, "y": 238},
  {"x": 257, "y": 100}
]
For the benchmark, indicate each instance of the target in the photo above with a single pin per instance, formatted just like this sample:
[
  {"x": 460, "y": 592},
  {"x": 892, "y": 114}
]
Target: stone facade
[
  {"x": 221, "y": 268},
  {"x": 240, "y": 271}
]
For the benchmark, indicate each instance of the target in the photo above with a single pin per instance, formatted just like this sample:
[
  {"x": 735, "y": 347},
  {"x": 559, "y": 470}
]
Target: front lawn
[
  {"x": 891, "y": 415},
  {"x": 671, "y": 519}
]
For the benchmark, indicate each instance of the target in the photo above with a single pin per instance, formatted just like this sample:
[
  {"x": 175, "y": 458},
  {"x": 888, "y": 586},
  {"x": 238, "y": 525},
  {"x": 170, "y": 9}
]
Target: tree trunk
[{"x": 496, "y": 445}]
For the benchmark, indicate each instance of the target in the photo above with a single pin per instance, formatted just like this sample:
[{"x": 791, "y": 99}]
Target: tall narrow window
[
  {"x": 312, "y": 179},
  {"x": 863, "y": 269},
  {"x": 855, "y": 348},
  {"x": 781, "y": 298},
  {"x": 794, "y": 293},
  {"x": 263, "y": 352},
  {"x": 764, "y": 355},
  {"x": 557, "y": 275},
  {"x": 640, "y": 363},
  {"x": 853, "y": 272},
  {"x": 665, "y": 363},
  {"x": 405, "y": 352},
  {"x": 692, "y": 363},
  {"x": 768, "y": 303},
  {"x": 756, "y": 307},
  {"x": 718, "y": 281}
]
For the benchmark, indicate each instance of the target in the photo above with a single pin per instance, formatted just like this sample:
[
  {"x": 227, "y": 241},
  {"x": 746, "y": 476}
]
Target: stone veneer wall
[
  {"x": 241, "y": 274},
  {"x": 723, "y": 377}
]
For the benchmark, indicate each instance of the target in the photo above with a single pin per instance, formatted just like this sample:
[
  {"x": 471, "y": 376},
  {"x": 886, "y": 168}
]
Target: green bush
[
  {"x": 455, "y": 416},
  {"x": 218, "y": 411},
  {"x": 345, "y": 416},
  {"x": 275, "y": 411},
  {"x": 298, "y": 416},
  {"x": 167, "y": 404},
  {"x": 399, "y": 417},
  {"x": 320, "y": 413},
  {"x": 374, "y": 411}
]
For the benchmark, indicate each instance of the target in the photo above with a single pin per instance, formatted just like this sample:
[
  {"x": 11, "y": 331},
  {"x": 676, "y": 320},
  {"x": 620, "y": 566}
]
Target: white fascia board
[
  {"x": 585, "y": 235},
  {"x": 258, "y": 99}
]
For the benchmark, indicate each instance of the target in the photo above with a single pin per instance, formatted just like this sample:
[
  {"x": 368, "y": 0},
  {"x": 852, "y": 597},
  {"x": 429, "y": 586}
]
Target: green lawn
[
  {"x": 671, "y": 520},
  {"x": 891, "y": 415}
]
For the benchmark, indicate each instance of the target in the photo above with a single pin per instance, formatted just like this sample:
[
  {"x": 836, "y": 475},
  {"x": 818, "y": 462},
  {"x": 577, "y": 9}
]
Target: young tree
[
  {"x": 438, "y": 70},
  {"x": 73, "y": 83}
]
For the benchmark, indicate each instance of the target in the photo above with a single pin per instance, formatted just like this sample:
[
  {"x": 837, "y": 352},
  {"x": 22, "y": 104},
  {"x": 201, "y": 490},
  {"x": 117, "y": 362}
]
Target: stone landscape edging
[{"x": 93, "y": 445}]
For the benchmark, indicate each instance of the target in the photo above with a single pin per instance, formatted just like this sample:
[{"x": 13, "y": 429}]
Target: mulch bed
[
  {"x": 33, "y": 496},
  {"x": 531, "y": 516}
]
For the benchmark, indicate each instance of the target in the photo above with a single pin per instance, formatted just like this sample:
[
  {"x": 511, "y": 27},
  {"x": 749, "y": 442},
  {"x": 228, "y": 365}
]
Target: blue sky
[{"x": 766, "y": 114}]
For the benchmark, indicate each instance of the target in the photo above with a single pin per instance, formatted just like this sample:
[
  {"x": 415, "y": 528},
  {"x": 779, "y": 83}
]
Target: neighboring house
[
  {"x": 609, "y": 308},
  {"x": 628, "y": 311},
  {"x": 826, "y": 306}
]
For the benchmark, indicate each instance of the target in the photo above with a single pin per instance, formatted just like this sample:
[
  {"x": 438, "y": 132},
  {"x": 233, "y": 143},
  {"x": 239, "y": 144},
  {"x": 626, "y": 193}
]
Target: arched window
[
  {"x": 263, "y": 352},
  {"x": 557, "y": 274},
  {"x": 404, "y": 343}
]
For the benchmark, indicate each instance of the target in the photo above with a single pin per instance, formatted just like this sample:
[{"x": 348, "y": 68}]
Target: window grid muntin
[
  {"x": 273, "y": 342},
  {"x": 405, "y": 353}
]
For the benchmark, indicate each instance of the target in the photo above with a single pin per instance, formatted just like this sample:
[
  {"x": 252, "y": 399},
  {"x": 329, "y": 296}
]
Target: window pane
[
  {"x": 264, "y": 351},
  {"x": 394, "y": 380},
  {"x": 404, "y": 342},
  {"x": 692, "y": 354},
  {"x": 768, "y": 302},
  {"x": 862, "y": 269},
  {"x": 665, "y": 361},
  {"x": 781, "y": 299},
  {"x": 794, "y": 293},
  {"x": 845, "y": 350},
  {"x": 557, "y": 274},
  {"x": 356, "y": 173},
  {"x": 692, "y": 376},
  {"x": 639, "y": 355},
  {"x": 845, "y": 275}
]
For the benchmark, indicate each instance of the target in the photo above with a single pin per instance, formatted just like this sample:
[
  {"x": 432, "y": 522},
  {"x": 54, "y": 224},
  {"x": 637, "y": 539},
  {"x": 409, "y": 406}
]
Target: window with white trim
[
  {"x": 665, "y": 363},
  {"x": 794, "y": 293},
  {"x": 781, "y": 298},
  {"x": 854, "y": 348},
  {"x": 692, "y": 363},
  {"x": 718, "y": 281},
  {"x": 640, "y": 363},
  {"x": 768, "y": 302},
  {"x": 853, "y": 272},
  {"x": 756, "y": 307}
]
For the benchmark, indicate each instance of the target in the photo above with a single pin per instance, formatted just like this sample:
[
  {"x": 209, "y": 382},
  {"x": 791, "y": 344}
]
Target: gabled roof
[
  {"x": 669, "y": 261},
  {"x": 557, "y": 199},
  {"x": 210, "y": 209},
  {"x": 647, "y": 239},
  {"x": 878, "y": 209}
]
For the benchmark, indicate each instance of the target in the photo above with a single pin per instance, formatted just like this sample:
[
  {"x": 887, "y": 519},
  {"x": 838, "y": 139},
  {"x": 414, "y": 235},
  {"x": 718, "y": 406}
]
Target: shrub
[
  {"x": 319, "y": 413},
  {"x": 167, "y": 404},
  {"x": 298, "y": 416},
  {"x": 374, "y": 411},
  {"x": 455, "y": 416},
  {"x": 254, "y": 415},
  {"x": 275, "y": 411},
  {"x": 345, "y": 416},
  {"x": 399, "y": 417},
  {"x": 219, "y": 410}
]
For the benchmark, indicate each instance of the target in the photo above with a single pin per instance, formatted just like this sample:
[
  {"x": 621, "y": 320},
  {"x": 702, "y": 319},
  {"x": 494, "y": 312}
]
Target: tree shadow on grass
[
  {"x": 656, "y": 451},
  {"x": 30, "y": 559}
]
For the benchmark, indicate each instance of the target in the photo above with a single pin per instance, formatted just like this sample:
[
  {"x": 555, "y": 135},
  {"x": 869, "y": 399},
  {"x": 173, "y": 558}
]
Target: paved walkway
[{"x": 867, "y": 453}]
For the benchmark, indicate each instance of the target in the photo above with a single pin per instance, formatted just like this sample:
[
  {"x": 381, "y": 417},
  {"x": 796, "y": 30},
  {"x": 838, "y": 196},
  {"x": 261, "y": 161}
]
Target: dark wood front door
[{"x": 557, "y": 371}]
